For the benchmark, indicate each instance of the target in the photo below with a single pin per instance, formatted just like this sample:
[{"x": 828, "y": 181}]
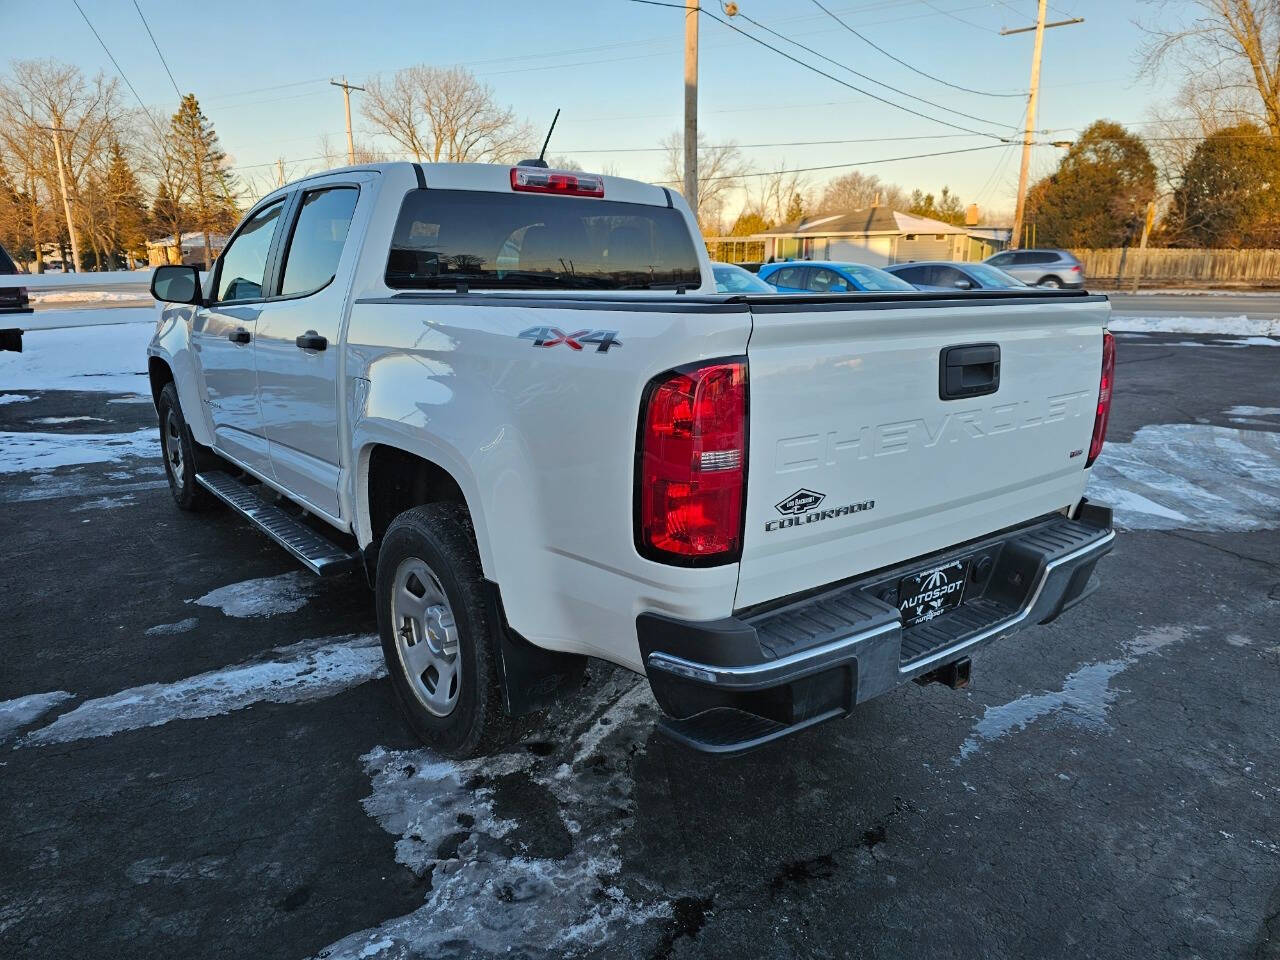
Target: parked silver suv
[{"x": 1041, "y": 268}]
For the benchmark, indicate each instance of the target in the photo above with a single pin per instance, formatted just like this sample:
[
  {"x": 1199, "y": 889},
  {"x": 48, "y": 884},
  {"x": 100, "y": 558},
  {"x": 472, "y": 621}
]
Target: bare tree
[
  {"x": 1228, "y": 47},
  {"x": 43, "y": 99},
  {"x": 721, "y": 170},
  {"x": 856, "y": 190},
  {"x": 445, "y": 116},
  {"x": 775, "y": 194}
]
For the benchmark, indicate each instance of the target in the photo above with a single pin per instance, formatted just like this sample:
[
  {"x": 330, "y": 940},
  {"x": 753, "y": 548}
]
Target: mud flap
[{"x": 532, "y": 677}]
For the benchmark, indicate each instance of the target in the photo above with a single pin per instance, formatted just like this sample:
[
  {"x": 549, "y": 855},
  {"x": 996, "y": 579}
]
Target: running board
[{"x": 320, "y": 556}]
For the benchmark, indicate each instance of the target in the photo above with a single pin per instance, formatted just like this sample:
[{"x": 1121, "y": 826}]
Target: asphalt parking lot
[{"x": 201, "y": 758}]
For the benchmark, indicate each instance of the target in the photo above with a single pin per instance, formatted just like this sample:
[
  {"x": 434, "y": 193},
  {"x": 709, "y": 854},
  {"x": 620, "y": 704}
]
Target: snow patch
[
  {"x": 15, "y": 714},
  {"x": 166, "y": 629},
  {"x": 23, "y": 452},
  {"x": 494, "y": 890},
  {"x": 310, "y": 670},
  {"x": 1084, "y": 700},
  {"x": 1239, "y": 326},
  {"x": 15, "y": 398},
  {"x": 1191, "y": 476},
  {"x": 105, "y": 503},
  {"x": 49, "y": 421},
  {"x": 1246, "y": 411},
  {"x": 110, "y": 359},
  {"x": 263, "y": 596}
]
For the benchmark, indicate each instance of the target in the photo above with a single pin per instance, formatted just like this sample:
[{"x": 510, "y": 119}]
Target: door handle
[
  {"x": 239, "y": 335},
  {"x": 311, "y": 341},
  {"x": 968, "y": 370}
]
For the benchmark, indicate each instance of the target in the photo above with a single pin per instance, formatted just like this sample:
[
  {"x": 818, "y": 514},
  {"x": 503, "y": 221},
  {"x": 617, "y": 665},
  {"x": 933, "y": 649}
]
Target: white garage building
[{"x": 875, "y": 235}]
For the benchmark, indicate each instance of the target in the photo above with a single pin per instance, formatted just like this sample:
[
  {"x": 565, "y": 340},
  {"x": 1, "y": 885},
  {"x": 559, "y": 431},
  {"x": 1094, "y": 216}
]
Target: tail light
[
  {"x": 1105, "y": 386},
  {"x": 538, "y": 180},
  {"x": 691, "y": 464}
]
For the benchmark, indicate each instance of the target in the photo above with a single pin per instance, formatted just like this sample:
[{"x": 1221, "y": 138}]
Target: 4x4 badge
[{"x": 799, "y": 502}]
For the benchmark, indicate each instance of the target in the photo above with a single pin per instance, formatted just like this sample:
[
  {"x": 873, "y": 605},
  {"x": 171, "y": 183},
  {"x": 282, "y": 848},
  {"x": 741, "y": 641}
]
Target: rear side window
[
  {"x": 792, "y": 277},
  {"x": 516, "y": 241},
  {"x": 318, "y": 236},
  {"x": 913, "y": 274}
]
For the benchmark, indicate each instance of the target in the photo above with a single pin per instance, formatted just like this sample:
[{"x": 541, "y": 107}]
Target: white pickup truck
[{"x": 512, "y": 397}]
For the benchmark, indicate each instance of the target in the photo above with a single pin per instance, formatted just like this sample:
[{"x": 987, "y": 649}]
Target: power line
[
  {"x": 157, "y": 46},
  {"x": 783, "y": 143},
  {"x": 911, "y": 67},
  {"x": 116, "y": 64},
  {"x": 852, "y": 163},
  {"x": 967, "y": 23},
  {"x": 880, "y": 83},
  {"x": 823, "y": 73}
]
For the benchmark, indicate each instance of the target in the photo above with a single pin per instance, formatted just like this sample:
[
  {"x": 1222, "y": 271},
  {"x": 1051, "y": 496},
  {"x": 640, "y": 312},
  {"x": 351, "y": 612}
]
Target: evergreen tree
[
  {"x": 209, "y": 191},
  {"x": 168, "y": 212},
  {"x": 795, "y": 208},
  {"x": 1098, "y": 196},
  {"x": 1230, "y": 191},
  {"x": 127, "y": 212},
  {"x": 947, "y": 207}
]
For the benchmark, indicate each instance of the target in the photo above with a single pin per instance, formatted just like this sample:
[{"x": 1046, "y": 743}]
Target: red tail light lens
[
  {"x": 1105, "y": 386},
  {"x": 692, "y": 463},
  {"x": 539, "y": 180}
]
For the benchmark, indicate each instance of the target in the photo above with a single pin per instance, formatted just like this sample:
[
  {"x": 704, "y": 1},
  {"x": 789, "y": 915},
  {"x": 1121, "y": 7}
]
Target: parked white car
[{"x": 514, "y": 398}]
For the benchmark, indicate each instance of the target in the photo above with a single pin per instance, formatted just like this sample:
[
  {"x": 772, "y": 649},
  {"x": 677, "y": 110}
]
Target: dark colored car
[
  {"x": 13, "y": 298},
  {"x": 825, "y": 276},
  {"x": 1040, "y": 268},
  {"x": 944, "y": 275}
]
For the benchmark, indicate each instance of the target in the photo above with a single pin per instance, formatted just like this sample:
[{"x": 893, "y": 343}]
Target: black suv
[{"x": 13, "y": 298}]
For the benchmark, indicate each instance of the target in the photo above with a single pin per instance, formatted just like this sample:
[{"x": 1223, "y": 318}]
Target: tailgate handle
[{"x": 968, "y": 370}]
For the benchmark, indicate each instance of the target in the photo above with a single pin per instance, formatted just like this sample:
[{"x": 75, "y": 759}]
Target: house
[
  {"x": 164, "y": 250},
  {"x": 874, "y": 235}
]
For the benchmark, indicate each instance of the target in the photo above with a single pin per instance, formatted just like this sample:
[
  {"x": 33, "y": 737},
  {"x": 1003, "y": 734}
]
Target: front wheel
[
  {"x": 181, "y": 454},
  {"x": 435, "y": 631}
]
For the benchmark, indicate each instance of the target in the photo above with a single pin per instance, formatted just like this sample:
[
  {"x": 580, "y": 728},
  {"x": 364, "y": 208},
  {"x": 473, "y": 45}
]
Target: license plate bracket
[{"x": 929, "y": 594}]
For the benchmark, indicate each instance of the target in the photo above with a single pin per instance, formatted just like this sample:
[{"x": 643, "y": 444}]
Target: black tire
[
  {"x": 183, "y": 457},
  {"x": 440, "y": 534},
  {"x": 1053, "y": 283}
]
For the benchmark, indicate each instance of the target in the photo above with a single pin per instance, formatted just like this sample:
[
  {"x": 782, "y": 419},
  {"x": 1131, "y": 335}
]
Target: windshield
[
  {"x": 992, "y": 278},
  {"x": 731, "y": 279},
  {"x": 872, "y": 278},
  {"x": 444, "y": 238}
]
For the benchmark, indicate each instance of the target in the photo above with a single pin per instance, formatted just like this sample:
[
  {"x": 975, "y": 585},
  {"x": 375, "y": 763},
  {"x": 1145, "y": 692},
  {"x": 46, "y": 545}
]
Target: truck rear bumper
[{"x": 733, "y": 684}]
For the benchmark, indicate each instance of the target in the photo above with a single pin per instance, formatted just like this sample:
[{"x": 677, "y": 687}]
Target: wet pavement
[{"x": 201, "y": 758}]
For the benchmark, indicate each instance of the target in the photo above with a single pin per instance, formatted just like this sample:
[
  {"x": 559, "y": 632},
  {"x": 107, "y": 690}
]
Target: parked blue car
[{"x": 826, "y": 276}]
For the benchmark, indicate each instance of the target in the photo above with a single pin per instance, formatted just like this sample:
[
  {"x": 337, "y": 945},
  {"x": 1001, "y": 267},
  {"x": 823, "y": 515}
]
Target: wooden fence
[{"x": 1153, "y": 267}]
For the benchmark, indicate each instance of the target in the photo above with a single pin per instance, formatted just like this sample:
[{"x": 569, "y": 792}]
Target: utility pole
[
  {"x": 1032, "y": 98},
  {"x": 346, "y": 97},
  {"x": 66, "y": 202},
  {"x": 691, "y": 104}
]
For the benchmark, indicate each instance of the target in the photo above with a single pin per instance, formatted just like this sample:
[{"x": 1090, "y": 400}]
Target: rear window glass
[{"x": 516, "y": 241}]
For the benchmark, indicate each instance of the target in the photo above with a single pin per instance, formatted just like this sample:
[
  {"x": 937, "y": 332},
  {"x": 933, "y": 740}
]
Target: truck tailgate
[{"x": 857, "y": 462}]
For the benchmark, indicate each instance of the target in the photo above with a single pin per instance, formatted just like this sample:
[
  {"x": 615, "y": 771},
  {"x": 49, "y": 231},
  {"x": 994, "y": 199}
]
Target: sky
[{"x": 615, "y": 69}]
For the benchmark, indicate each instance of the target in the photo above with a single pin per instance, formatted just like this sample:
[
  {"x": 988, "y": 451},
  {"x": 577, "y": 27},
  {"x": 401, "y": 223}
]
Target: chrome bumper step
[{"x": 319, "y": 555}]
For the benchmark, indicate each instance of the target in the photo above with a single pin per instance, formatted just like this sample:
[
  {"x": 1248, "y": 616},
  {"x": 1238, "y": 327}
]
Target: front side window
[
  {"x": 444, "y": 238},
  {"x": 318, "y": 236},
  {"x": 993, "y": 279},
  {"x": 825, "y": 281},
  {"x": 242, "y": 268}
]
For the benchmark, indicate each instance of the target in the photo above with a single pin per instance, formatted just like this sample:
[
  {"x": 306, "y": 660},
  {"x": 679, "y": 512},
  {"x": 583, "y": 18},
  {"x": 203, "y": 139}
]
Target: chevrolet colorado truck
[{"x": 514, "y": 399}]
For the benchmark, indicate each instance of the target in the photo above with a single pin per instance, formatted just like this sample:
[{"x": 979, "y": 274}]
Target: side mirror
[
  {"x": 176, "y": 284},
  {"x": 963, "y": 285}
]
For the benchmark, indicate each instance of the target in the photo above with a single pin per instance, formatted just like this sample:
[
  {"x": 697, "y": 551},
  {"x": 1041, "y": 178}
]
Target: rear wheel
[
  {"x": 435, "y": 631},
  {"x": 183, "y": 457},
  {"x": 1052, "y": 282}
]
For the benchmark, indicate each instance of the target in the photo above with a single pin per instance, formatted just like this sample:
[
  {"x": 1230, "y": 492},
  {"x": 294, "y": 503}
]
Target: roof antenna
[{"x": 539, "y": 161}]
